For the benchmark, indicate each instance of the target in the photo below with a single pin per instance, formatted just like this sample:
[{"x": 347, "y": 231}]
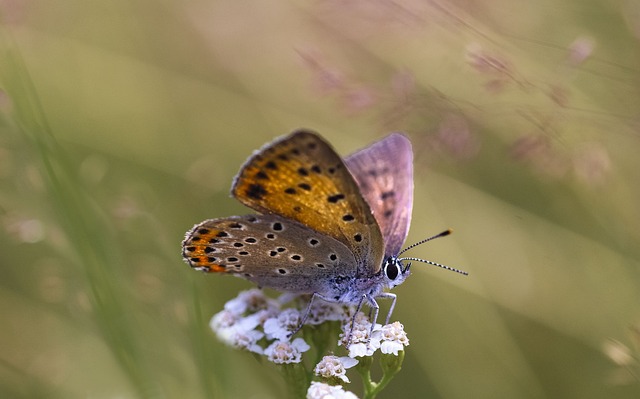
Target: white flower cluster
[
  {"x": 390, "y": 338},
  {"x": 320, "y": 390},
  {"x": 254, "y": 322},
  {"x": 236, "y": 324},
  {"x": 284, "y": 352},
  {"x": 334, "y": 367},
  {"x": 257, "y": 323}
]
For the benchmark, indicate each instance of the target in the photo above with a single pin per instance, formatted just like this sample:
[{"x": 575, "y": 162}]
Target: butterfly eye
[{"x": 391, "y": 269}]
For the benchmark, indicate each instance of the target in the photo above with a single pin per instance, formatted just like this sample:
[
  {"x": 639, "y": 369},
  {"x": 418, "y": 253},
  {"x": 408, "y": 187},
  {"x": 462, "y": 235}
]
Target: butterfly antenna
[
  {"x": 437, "y": 264},
  {"x": 443, "y": 234}
]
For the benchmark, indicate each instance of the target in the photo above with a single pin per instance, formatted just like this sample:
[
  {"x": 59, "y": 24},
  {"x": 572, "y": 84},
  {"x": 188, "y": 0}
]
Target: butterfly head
[{"x": 394, "y": 271}]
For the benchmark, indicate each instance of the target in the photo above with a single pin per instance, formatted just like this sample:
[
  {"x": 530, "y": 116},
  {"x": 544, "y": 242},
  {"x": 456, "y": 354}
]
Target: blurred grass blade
[{"x": 94, "y": 243}]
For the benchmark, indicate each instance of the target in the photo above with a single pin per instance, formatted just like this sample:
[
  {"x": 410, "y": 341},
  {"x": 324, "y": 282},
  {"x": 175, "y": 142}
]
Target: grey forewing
[{"x": 279, "y": 253}]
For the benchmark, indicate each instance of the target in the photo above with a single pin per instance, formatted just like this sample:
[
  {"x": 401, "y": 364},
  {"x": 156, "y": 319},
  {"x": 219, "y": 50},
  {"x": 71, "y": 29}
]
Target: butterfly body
[{"x": 327, "y": 226}]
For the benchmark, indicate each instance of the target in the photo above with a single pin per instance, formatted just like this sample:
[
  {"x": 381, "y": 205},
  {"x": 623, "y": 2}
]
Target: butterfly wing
[
  {"x": 300, "y": 177},
  {"x": 271, "y": 251},
  {"x": 384, "y": 172}
]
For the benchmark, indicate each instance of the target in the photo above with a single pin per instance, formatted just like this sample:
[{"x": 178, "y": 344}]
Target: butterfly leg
[
  {"x": 307, "y": 312},
  {"x": 353, "y": 319},
  {"x": 376, "y": 309},
  {"x": 393, "y": 303}
]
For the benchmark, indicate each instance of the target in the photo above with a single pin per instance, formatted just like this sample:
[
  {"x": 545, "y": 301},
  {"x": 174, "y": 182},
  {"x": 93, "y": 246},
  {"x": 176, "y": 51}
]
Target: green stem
[
  {"x": 391, "y": 365},
  {"x": 364, "y": 369},
  {"x": 297, "y": 379}
]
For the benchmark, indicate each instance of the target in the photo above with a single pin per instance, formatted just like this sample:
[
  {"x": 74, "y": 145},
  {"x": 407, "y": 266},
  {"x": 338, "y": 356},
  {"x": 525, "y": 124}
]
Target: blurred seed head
[
  {"x": 403, "y": 84},
  {"x": 536, "y": 150},
  {"x": 498, "y": 70},
  {"x": 357, "y": 99},
  {"x": 326, "y": 78},
  {"x": 25, "y": 230},
  {"x": 12, "y": 11},
  {"x": 360, "y": 20},
  {"x": 93, "y": 169},
  {"x": 617, "y": 352},
  {"x": 455, "y": 138},
  {"x": 580, "y": 50},
  {"x": 126, "y": 208},
  {"x": 625, "y": 358},
  {"x": 530, "y": 146},
  {"x": 495, "y": 86},
  {"x": 487, "y": 63},
  {"x": 592, "y": 164}
]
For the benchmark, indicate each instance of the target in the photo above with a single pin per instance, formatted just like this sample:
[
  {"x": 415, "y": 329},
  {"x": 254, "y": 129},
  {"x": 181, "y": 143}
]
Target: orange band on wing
[{"x": 199, "y": 252}]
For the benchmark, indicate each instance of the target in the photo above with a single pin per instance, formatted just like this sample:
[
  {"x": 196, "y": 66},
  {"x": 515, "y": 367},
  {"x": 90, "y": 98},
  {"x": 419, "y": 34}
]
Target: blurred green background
[{"x": 123, "y": 123}]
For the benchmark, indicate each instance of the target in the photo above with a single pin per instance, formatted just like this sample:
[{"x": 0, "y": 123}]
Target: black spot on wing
[
  {"x": 335, "y": 198},
  {"x": 262, "y": 175},
  {"x": 348, "y": 218},
  {"x": 256, "y": 191},
  {"x": 387, "y": 195}
]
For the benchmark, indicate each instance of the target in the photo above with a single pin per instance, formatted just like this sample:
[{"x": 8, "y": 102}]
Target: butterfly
[{"x": 328, "y": 227}]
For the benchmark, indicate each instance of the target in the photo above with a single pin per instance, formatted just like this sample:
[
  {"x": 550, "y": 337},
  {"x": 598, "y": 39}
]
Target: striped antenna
[
  {"x": 443, "y": 234},
  {"x": 437, "y": 264}
]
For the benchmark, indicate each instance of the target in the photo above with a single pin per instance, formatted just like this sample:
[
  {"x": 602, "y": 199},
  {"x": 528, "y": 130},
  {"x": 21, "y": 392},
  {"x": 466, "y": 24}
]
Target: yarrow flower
[
  {"x": 224, "y": 319},
  {"x": 251, "y": 301},
  {"x": 322, "y": 311},
  {"x": 256, "y": 323},
  {"x": 320, "y": 390},
  {"x": 283, "y": 324},
  {"x": 243, "y": 325},
  {"x": 284, "y": 352},
  {"x": 238, "y": 332},
  {"x": 331, "y": 367},
  {"x": 358, "y": 338},
  {"x": 391, "y": 338}
]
